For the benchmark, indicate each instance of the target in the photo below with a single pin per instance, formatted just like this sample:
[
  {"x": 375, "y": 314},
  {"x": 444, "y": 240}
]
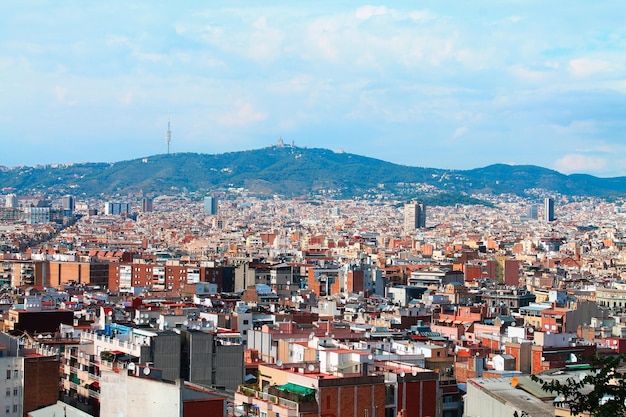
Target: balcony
[{"x": 269, "y": 403}]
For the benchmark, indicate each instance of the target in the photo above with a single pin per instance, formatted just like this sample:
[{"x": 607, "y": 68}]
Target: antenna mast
[{"x": 168, "y": 136}]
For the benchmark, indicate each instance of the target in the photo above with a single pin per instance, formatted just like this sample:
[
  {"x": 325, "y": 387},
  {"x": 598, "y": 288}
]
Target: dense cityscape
[{"x": 230, "y": 305}]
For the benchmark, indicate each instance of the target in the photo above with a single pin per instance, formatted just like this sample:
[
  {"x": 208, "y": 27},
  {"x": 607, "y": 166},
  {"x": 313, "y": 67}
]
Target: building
[
  {"x": 212, "y": 358},
  {"x": 117, "y": 208},
  {"x": 414, "y": 217},
  {"x": 37, "y": 215},
  {"x": 126, "y": 277},
  {"x": 11, "y": 383},
  {"x": 434, "y": 277},
  {"x": 59, "y": 273},
  {"x": 548, "y": 209},
  {"x": 32, "y": 319},
  {"x": 210, "y": 205},
  {"x": 301, "y": 390},
  {"x": 146, "y": 205},
  {"x": 68, "y": 204},
  {"x": 532, "y": 212},
  {"x": 505, "y": 396},
  {"x": 17, "y": 273},
  {"x": 324, "y": 281},
  {"x": 139, "y": 392},
  {"x": 29, "y": 377},
  {"x": 41, "y": 381},
  {"x": 11, "y": 201}
]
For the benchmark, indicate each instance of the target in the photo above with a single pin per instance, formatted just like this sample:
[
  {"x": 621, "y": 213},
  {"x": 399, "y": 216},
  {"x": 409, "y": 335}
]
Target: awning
[
  {"x": 116, "y": 352},
  {"x": 289, "y": 387}
]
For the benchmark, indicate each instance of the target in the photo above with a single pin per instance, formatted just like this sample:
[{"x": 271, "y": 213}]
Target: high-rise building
[
  {"x": 414, "y": 216},
  {"x": 532, "y": 212},
  {"x": 146, "y": 205},
  {"x": 67, "y": 202},
  {"x": 122, "y": 208},
  {"x": 548, "y": 209},
  {"x": 210, "y": 205},
  {"x": 68, "y": 205},
  {"x": 11, "y": 201}
]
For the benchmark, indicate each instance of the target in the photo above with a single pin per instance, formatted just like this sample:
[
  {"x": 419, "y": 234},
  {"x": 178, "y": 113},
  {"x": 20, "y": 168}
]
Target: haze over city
[{"x": 437, "y": 84}]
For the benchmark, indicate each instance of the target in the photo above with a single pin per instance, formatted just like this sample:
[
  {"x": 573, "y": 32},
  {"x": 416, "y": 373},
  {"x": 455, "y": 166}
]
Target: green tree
[{"x": 601, "y": 393}]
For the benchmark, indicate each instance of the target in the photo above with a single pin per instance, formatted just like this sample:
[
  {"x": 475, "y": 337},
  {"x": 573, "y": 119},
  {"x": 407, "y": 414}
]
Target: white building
[{"x": 11, "y": 384}]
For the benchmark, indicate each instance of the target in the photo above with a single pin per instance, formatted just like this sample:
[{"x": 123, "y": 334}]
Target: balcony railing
[{"x": 268, "y": 401}]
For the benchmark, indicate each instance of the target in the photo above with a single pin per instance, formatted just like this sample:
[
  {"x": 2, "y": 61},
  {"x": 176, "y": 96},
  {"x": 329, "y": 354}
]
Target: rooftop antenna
[{"x": 168, "y": 136}]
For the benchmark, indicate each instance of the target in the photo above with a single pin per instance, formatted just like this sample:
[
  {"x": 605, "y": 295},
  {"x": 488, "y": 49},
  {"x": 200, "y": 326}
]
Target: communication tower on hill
[{"x": 168, "y": 137}]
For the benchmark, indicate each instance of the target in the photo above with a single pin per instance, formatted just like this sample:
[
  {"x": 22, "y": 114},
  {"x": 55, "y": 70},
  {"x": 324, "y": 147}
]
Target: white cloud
[
  {"x": 367, "y": 12},
  {"x": 60, "y": 94},
  {"x": 460, "y": 131},
  {"x": 576, "y": 163},
  {"x": 243, "y": 114},
  {"x": 585, "y": 67}
]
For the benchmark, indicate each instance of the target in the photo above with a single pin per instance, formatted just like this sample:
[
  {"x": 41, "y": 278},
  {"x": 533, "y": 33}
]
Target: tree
[{"x": 601, "y": 392}]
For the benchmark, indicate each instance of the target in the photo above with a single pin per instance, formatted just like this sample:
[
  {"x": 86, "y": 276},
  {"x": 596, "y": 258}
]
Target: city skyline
[{"x": 438, "y": 84}]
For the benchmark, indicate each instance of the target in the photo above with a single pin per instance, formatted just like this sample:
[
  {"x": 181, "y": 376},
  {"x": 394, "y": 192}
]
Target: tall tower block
[
  {"x": 210, "y": 205},
  {"x": 414, "y": 217},
  {"x": 548, "y": 209}
]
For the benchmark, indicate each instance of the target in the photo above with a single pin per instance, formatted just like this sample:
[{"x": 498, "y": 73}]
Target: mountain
[{"x": 293, "y": 171}]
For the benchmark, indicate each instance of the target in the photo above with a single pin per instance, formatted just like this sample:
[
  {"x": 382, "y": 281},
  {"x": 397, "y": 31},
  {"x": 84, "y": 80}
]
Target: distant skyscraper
[
  {"x": 414, "y": 216},
  {"x": 67, "y": 202},
  {"x": 533, "y": 212},
  {"x": 146, "y": 205},
  {"x": 11, "y": 201},
  {"x": 548, "y": 209},
  {"x": 122, "y": 208},
  {"x": 210, "y": 205}
]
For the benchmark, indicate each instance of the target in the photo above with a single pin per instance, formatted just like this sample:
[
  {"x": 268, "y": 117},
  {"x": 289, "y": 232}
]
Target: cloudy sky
[{"x": 445, "y": 84}]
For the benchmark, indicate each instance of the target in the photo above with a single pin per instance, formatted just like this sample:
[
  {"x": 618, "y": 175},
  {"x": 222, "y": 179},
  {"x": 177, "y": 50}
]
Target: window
[
  {"x": 15, "y": 391},
  {"x": 245, "y": 322},
  {"x": 15, "y": 374},
  {"x": 8, "y": 392},
  {"x": 9, "y": 374},
  {"x": 15, "y": 408},
  {"x": 7, "y": 409}
]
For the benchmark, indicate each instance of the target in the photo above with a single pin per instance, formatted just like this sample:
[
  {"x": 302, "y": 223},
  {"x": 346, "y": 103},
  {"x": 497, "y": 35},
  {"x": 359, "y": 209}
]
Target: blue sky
[{"x": 422, "y": 83}]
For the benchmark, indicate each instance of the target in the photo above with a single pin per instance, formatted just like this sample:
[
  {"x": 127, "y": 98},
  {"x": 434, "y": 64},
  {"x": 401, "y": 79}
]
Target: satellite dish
[
  {"x": 370, "y": 356},
  {"x": 146, "y": 370},
  {"x": 414, "y": 372},
  {"x": 186, "y": 322},
  {"x": 531, "y": 330},
  {"x": 279, "y": 363},
  {"x": 402, "y": 374},
  {"x": 513, "y": 324},
  {"x": 311, "y": 367},
  {"x": 131, "y": 366}
]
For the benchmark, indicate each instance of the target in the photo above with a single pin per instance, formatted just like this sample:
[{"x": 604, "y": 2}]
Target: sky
[{"x": 440, "y": 84}]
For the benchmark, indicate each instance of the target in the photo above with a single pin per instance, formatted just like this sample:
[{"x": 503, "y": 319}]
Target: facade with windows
[{"x": 11, "y": 384}]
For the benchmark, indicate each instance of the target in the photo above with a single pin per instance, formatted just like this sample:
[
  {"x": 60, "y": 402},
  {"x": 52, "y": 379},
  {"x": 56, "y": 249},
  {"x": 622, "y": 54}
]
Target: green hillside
[{"x": 293, "y": 171}]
